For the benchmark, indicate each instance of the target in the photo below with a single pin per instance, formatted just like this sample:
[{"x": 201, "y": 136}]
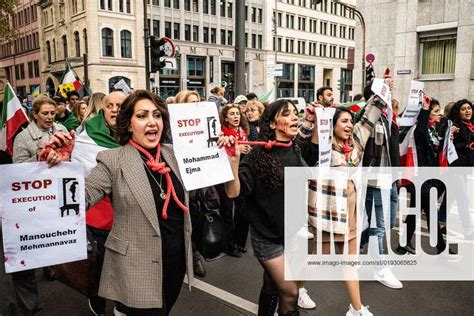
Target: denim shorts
[{"x": 264, "y": 249}]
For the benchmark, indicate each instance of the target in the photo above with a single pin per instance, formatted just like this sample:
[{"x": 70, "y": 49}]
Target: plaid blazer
[{"x": 132, "y": 273}]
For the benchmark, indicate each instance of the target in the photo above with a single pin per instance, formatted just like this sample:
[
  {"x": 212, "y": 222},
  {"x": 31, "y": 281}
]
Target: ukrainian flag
[{"x": 36, "y": 91}]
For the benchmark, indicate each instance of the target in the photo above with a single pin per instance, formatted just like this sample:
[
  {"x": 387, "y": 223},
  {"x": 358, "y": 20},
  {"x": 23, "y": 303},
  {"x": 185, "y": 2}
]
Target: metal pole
[
  {"x": 275, "y": 30},
  {"x": 362, "y": 24},
  {"x": 239, "y": 47},
  {"x": 146, "y": 32},
  {"x": 86, "y": 71}
]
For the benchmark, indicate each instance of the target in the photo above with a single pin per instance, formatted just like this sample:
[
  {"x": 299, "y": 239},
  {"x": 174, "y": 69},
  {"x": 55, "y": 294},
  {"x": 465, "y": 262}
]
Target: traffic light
[
  {"x": 369, "y": 73},
  {"x": 156, "y": 52}
]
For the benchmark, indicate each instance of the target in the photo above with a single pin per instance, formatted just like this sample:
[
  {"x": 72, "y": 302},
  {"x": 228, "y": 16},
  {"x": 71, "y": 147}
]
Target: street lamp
[{"x": 362, "y": 24}]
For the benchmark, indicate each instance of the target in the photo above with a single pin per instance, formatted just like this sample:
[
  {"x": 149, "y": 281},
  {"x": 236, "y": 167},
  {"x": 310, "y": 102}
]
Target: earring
[{"x": 129, "y": 129}]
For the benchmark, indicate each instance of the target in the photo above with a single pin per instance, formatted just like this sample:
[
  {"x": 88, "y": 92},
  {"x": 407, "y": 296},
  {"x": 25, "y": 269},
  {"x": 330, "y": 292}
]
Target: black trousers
[{"x": 425, "y": 207}]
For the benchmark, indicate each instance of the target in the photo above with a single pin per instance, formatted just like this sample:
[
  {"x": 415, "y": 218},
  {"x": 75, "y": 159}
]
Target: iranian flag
[
  {"x": 408, "y": 157},
  {"x": 12, "y": 118},
  {"x": 69, "y": 82},
  {"x": 353, "y": 106},
  {"x": 94, "y": 138}
]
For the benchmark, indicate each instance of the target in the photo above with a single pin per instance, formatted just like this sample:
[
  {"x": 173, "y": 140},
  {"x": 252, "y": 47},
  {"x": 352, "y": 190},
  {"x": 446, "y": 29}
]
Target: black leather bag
[{"x": 208, "y": 235}]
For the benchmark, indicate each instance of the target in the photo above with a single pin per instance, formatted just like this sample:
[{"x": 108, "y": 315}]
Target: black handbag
[{"x": 208, "y": 235}]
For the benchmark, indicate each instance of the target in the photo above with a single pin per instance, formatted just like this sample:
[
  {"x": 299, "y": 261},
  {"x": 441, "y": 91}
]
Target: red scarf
[
  {"x": 469, "y": 126},
  {"x": 160, "y": 167},
  {"x": 267, "y": 145},
  {"x": 346, "y": 149},
  {"x": 238, "y": 133}
]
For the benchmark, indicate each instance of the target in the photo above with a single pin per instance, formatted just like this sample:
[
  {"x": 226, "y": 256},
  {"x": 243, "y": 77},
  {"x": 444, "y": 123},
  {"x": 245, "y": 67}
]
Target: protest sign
[
  {"x": 122, "y": 85},
  {"x": 415, "y": 102},
  {"x": 381, "y": 88},
  {"x": 195, "y": 128},
  {"x": 43, "y": 215},
  {"x": 324, "y": 125}
]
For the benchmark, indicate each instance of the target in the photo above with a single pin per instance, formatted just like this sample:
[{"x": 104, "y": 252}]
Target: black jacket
[{"x": 425, "y": 149}]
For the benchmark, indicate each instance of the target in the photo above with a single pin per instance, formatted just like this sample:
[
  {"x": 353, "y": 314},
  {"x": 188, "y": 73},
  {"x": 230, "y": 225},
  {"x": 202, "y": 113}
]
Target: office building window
[
  {"x": 230, "y": 38},
  {"x": 205, "y": 6},
  {"x": 260, "y": 41},
  {"x": 168, "y": 29},
  {"x": 222, "y": 8},
  {"x": 196, "y": 33},
  {"x": 156, "y": 28},
  {"x": 254, "y": 40},
  {"x": 187, "y": 32},
  {"x": 213, "y": 7},
  {"x": 205, "y": 34},
  {"x": 176, "y": 4},
  {"x": 187, "y": 5},
  {"x": 126, "y": 44},
  {"x": 223, "y": 37},
  {"x": 176, "y": 31},
  {"x": 107, "y": 42},
  {"x": 229, "y": 10},
  {"x": 254, "y": 14},
  {"x": 260, "y": 15},
  {"x": 438, "y": 53},
  {"x": 77, "y": 44},
  {"x": 213, "y": 36},
  {"x": 64, "y": 39}
]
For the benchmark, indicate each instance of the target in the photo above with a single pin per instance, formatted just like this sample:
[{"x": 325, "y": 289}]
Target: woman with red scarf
[{"x": 462, "y": 118}]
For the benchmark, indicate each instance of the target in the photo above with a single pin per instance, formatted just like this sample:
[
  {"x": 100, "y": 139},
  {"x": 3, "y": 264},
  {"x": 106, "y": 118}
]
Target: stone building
[{"x": 429, "y": 40}]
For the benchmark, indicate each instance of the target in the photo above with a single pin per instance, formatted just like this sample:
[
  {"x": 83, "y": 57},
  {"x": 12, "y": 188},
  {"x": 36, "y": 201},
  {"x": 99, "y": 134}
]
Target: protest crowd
[{"x": 140, "y": 217}]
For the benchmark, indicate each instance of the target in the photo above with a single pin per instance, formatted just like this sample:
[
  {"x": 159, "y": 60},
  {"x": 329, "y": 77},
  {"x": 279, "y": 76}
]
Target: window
[
  {"x": 126, "y": 44},
  {"x": 322, "y": 50},
  {"x": 176, "y": 4},
  {"x": 168, "y": 29},
  {"x": 176, "y": 30},
  {"x": 205, "y": 34},
  {"x": 332, "y": 51},
  {"x": 301, "y": 47},
  {"x": 246, "y": 13},
  {"x": 64, "y": 38},
  {"x": 323, "y": 27},
  {"x": 289, "y": 45},
  {"x": 205, "y": 6},
  {"x": 254, "y": 14},
  {"x": 196, "y": 33},
  {"x": 260, "y": 15},
  {"x": 195, "y": 6},
  {"x": 222, "y": 37},
  {"x": 213, "y": 7},
  {"x": 168, "y": 3},
  {"x": 102, "y": 4},
  {"x": 222, "y": 8},
  {"x": 288, "y": 72},
  {"x": 246, "y": 39},
  {"x": 306, "y": 73},
  {"x": 230, "y": 38},
  {"x": 74, "y": 7},
  {"x": 260, "y": 41},
  {"x": 22, "y": 71},
  {"x": 187, "y": 32},
  {"x": 107, "y": 42},
  {"x": 30, "y": 69},
  {"x": 77, "y": 44},
  {"x": 125, "y": 6},
  {"x": 187, "y": 5},
  {"x": 280, "y": 19},
  {"x": 36, "y": 68},
  {"x": 229, "y": 10},
  {"x": 438, "y": 53},
  {"x": 156, "y": 28},
  {"x": 254, "y": 40},
  {"x": 196, "y": 66},
  {"x": 279, "y": 44},
  {"x": 213, "y": 35},
  {"x": 84, "y": 37}
]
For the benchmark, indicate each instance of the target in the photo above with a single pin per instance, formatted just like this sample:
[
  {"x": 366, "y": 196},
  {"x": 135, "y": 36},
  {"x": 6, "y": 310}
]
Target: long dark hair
[
  {"x": 336, "y": 116},
  {"x": 266, "y": 168},
  {"x": 455, "y": 112},
  {"x": 123, "y": 134}
]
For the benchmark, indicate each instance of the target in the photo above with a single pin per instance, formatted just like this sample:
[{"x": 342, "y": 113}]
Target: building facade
[
  {"x": 429, "y": 41},
  {"x": 20, "y": 58},
  {"x": 109, "y": 32},
  {"x": 312, "y": 41}
]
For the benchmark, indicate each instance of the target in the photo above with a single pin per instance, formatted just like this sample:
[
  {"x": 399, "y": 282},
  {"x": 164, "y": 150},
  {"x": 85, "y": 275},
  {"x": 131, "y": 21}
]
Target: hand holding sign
[{"x": 57, "y": 149}]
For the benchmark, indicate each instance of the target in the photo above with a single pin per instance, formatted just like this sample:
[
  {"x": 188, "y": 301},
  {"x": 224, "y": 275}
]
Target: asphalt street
[{"x": 232, "y": 287}]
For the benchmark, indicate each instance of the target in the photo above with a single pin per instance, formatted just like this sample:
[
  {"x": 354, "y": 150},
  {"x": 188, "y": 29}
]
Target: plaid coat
[
  {"x": 132, "y": 271},
  {"x": 329, "y": 213}
]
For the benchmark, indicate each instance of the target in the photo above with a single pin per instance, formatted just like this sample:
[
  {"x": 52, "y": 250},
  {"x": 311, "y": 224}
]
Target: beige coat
[{"x": 132, "y": 272}]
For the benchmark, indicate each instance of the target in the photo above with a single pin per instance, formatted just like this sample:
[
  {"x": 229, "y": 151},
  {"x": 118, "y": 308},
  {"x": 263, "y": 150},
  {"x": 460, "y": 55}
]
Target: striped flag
[
  {"x": 408, "y": 156},
  {"x": 13, "y": 117},
  {"x": 69, "y": 82},
  {"x": 93, "y": 139},
  {"x": 353, "y": 106},
  {"x": 36, "y": 91}
]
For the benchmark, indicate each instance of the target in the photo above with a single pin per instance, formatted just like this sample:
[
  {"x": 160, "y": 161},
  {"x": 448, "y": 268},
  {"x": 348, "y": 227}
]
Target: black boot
[{"x": 267, "y": 303}]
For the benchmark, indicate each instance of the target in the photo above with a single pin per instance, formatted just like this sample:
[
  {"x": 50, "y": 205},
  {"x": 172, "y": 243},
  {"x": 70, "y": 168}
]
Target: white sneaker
[
  {"x": 363, "y": 311},
  {"x": 304, "y": 233},
  {"x": 386, "y": 277},
  {"x": 304, "y": 301}
]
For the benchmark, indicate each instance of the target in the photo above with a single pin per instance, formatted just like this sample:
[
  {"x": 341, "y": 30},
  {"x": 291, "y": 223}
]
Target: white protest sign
[
  {"x": 324, "y": 126},
  {"x": 275, "y": 70},
  {"x": 452, "y": 154},
  {"x": 415, "y": 102},
  {"x": 122, "y": 85},
  {"x": 195, "y": 128},
  {"x": 43, "y": 215},
  {"x": 381, "y": 88}
]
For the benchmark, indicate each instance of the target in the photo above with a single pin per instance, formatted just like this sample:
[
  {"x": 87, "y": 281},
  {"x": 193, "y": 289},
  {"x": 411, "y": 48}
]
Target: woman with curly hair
[{"x": 259, "y": 179}]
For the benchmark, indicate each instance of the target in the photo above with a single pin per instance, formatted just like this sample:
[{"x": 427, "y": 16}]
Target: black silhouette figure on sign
[
  {"x": 213, "y": 135},
  {"x": 69, "y": 194}
]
